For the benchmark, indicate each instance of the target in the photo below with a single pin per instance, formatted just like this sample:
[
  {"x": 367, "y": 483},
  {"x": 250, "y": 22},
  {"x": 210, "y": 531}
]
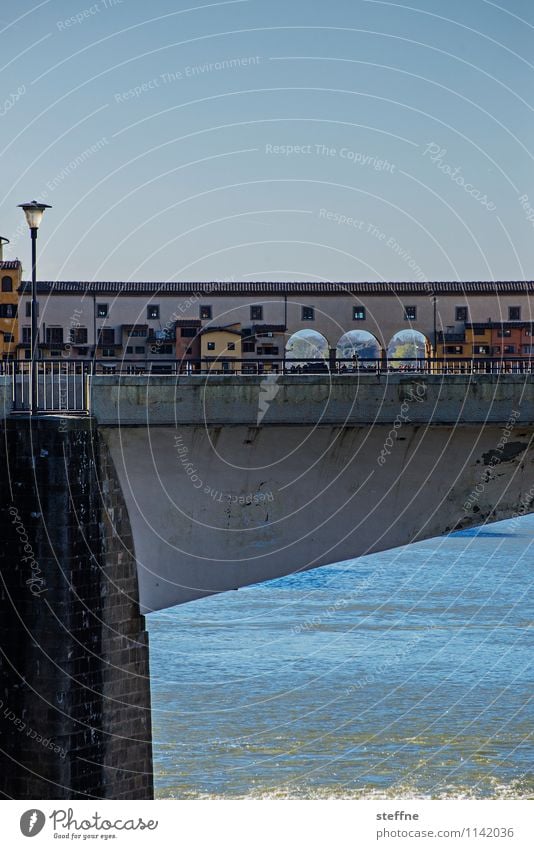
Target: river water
[{"x": 402, "y": 674}]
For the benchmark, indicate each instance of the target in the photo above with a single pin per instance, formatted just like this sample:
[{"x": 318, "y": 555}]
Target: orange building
[{"x": 10, "y": 278}]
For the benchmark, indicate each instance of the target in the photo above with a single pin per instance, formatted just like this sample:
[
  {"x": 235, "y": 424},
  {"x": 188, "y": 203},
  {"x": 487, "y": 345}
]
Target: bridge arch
[
  {"x": 358, "y": 343},
  {"x": 408, "y": 345},
  {"x": 307, "y": 344}
]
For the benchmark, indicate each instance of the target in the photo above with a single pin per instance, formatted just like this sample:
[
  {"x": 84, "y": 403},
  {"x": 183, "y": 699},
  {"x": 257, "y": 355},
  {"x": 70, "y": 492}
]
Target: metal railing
[{"x": 62, "y": 384}]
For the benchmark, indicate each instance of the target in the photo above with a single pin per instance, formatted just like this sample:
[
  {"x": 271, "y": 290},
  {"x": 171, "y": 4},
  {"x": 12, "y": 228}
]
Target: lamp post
[{"x": 34, "y": 212}]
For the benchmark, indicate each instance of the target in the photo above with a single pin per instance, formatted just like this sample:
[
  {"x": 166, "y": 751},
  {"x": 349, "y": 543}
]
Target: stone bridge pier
[{"x": 178, "y": 487}]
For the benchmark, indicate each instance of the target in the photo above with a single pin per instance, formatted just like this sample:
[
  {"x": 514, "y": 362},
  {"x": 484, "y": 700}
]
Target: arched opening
[
  {"x": 306, "y": 345},
  {"x": 356, "y": 346},
  {"x": 406, "y": 348}
]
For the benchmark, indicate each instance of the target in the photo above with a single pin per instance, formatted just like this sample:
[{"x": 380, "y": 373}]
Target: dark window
[
  {"x": 509, "y": 349},
  {"x": 514, "y": 313},
  {"x": 503, "y": 333},
  {"x": 27, "y": 335},
  {"x": 78, "y": 335},
  {"x": 410, "y": 313},
  {"x": 7, "y": 284},
  {"x": 129, "y": 349},
  {"x": 106, "y": 336},
  {"x": 189, "y": 331},
  {"x": 496, "y": 350},
  {"x": 162, "y": 349},
  {"x": 256, "y": 313},
  {"x": 308, "y": 314},
  {"x": 231, "y": 346},
  {"x": 152, "y": 311},
  {"x": 54, "y": 336},
  {"x": 211, "y": 346},
  {"x": 27, "y": 355},
  {"x": 268, "y": 350},
  {"x": 248, "y": 347},
  {"x": 205, "y": 312},
  {"x": 482, "y": 349},
  {"x": 138, "y": 331},
  {"x": 8, "y": 337},
  {"x": 454, "y": 349},
  {"x": 102, "y": 310},
  {"x": 108, "y": 352},
  {"x": 8, "y": 310},
  {"x": 479, "y": 331},
  {"x": 139, "y": 349},
  {"x": 358, "y": 313},
  {"x": 29, "y": 309},
  {"x": 461, "y": 313}
]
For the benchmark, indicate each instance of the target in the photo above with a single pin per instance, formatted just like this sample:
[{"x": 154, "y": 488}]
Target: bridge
[{"x": 171, "y": 487}]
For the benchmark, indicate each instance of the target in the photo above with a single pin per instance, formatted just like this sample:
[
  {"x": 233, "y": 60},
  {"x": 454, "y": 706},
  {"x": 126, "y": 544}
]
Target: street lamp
[{"x": 34, "y": 213}]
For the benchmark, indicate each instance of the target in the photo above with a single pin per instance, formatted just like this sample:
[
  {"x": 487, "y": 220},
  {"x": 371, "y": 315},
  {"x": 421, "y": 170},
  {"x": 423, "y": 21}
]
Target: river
[{"x": 402, "y": 674}]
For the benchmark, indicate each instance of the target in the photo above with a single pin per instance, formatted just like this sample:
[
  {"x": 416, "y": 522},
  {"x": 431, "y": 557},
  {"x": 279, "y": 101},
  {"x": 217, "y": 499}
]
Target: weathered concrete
[
  {"x": 308, "y": 399},
  {"x": 216, "y": 508},
  {"x": 74, "y": 679}
]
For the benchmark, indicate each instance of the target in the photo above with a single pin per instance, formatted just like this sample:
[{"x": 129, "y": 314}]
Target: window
[
  {"x": 78, "y": 335},
  {"x": 479, "y": 331},
  {"x": 358, "y": 313},
  {"x": 29, "y": 309},
  {"x": 8, "y": 310},
  {"x": 308, "y": 314},
  {"x": 509, "y": 349},
  {"x": 162, "y": 349},
  {"x": 8, "y": 337},
  {"x": 152, "y": 311},
  {"x": 139, "y": 349},
  {"x": 108, "y": 352},
  {"x": 54, "y": 336},
  {"x": 496, "y": 350},
  {"x": 231, "y": 346},
  {"x": 205, "y": 312},
  {"x": 138, "y": 331},
  {"x": 7, "y": 284},
  {"x": 256, "y": 313},
  {"x": 482, "y": 349},
  {"x": 188, "y": 332},
  {"x": 268, "y": 350},
  {"x": 528, "y": 349},
  {"x": 461, "y": 313},
  {"x": 27, "y": 335},
  {"x": 211, "y": 346},
  {"x": 410, "y": 313},
  {"x": 504, "y": 332},
  {"x": 454, "y": 349},
  {"x": 514, "y": 313},
  {"x": 102, "y": 310},
  {"x": 248, "y": 347},
  {"x": 129, "y": 349},
  {"x": 106, "y": 336}
]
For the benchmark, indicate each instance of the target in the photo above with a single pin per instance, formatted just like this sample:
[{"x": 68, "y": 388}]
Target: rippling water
[{"x": 401, "y": 674}]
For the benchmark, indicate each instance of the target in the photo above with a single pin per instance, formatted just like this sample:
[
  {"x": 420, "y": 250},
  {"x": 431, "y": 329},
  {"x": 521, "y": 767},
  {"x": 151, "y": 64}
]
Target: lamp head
[{"x": 34, "y": 212}]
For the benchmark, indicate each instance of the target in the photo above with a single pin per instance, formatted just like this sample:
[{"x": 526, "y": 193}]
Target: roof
[
  {"x": 10, "y": 265},
  {"x": 214, "y": 288}
]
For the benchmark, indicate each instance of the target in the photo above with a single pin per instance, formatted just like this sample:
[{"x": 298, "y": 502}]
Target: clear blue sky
[{"x": 162, "y": 137}]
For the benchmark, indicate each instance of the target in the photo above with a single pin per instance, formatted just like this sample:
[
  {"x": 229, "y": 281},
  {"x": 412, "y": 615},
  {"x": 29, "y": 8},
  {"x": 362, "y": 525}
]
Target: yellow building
[
  {"x": 221, "y": 346},
  {"x": 10, "y": 277}
]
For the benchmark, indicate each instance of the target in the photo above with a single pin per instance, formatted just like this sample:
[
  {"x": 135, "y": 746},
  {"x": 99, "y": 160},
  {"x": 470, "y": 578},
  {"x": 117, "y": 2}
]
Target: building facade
[{"x": 169, "y": 320}]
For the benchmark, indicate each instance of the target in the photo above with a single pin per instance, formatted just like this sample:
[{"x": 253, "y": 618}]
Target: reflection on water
[{"x": 402, "y": 674}]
